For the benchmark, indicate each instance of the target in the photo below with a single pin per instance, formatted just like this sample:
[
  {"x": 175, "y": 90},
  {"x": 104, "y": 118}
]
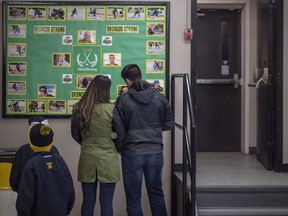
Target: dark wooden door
[
  {"x": 266, "y": 91},
  {"x": 218, "y": 71}
]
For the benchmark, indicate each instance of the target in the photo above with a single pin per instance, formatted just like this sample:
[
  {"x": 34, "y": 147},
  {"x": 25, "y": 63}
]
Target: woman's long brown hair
[{"x": 97, "y": 92}]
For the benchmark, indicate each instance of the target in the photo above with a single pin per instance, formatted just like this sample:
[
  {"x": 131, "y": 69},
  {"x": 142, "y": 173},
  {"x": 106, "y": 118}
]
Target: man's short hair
[
  {"x": 43, "y": 87},
  {"x": 131, "y": 72}
]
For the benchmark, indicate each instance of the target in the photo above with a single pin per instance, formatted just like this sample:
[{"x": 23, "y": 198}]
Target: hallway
[{"x": 234, "y": 168}]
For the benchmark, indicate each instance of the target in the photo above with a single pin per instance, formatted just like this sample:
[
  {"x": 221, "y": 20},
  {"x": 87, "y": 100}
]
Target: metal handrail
[{"x": 189, "y": 148}]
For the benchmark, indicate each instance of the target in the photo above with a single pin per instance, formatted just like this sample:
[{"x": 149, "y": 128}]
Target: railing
[{"x": 189, "y": 149}]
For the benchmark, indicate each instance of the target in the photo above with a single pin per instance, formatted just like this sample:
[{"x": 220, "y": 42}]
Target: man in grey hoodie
[{"x": 139, "y": 117}]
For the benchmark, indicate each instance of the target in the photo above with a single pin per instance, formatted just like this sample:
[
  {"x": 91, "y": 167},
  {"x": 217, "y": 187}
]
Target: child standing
[
  {"x": 46, "y": 187},
  {"x": 24, "y": 154}
]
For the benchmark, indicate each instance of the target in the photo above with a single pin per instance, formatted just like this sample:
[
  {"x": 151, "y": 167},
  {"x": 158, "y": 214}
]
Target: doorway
[{"x": 218, "y": 73}]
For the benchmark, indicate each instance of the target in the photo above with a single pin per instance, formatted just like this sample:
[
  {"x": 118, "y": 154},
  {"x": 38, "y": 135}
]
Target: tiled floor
[{"x": 218, "y": 168}]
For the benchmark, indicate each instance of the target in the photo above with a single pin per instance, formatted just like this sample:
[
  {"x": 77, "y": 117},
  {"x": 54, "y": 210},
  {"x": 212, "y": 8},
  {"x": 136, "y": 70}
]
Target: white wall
[
  {"x": 13, "y": 132},
  {"x": 249, "y": 60}
]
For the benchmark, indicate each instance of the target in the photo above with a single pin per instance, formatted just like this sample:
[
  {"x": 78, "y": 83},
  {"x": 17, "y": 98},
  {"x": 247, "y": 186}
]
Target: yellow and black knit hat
[{"x": 41, "y": 137}]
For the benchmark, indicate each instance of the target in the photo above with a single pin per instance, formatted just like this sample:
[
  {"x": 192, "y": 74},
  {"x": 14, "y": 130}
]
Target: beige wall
[{"x": 13, "y": 132}]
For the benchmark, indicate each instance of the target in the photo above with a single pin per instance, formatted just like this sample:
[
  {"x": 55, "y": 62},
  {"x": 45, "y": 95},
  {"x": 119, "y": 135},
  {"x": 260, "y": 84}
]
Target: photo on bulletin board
[
  {"x": 70, "y": 105},
  {"x": 53, "y": 50},
  {"x": 135, "y": 13},
  {"x": 154, "y": 66},
  {"x": 96, "y": 13},
  {"x": 37, "y": 107},
  {"x": 17, "y": 30},
  {"x": 37, "y": 13},
  {"x": 157, "y": 85},
  {"x": 56, "y": 106},
  {"x": 16, "y": 106},
  {"x": 16, "y": 68},
  {"x": 76, "y": 13},
  {"x": 83, "y": 81}
]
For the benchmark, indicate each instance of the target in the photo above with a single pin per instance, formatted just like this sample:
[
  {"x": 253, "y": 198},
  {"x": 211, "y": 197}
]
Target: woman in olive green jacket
[{"x": 91, "y": 126}]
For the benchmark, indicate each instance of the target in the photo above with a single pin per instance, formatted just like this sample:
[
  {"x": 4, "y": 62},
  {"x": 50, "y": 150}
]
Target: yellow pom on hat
[{"x": 41, "y": 138}]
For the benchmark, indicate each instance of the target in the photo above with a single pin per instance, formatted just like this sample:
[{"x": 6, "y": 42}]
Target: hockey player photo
[
  {"x": 154, "y": 66},
  {"x": 17, "y": 68},
  {"x": 96, "y": 13},
  {"x": 136, "y": 12},
  {"x": 17, "y": 49},
  {"x": 37, "y": 13},
  {"x": 76, "y": 13},
  {"x": 56, "y": 106},
  {"x": 16, "y": 87},
  {"x": 155, "y": 29},
  {"x": 36, "y": 106},
  {"x": 16, "y": 106},
  {"x": 155, "y": 13},
  {"x": 17, "y": 13},
  {"x": 116, "y": 13},
  {"x": 17, "y": 31},
  {"x": 57, "y": 13}
]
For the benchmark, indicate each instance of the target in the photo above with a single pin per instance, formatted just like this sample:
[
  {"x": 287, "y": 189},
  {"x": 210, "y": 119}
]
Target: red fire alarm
[{"x": 188, "y": 34}]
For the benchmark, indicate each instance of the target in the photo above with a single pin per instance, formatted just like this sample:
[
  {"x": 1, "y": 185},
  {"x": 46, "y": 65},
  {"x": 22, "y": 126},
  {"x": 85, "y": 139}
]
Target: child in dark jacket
[
  {"x": 46, "y": 186},
  {"x": 24, "y": 154}
]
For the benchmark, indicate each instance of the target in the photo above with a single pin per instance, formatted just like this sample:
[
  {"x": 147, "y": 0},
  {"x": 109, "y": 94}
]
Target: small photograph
[
  {"x": 106, "y": 40},
  {"x": 57, "y": 106},
  {"x": 37, "y": 106},
  {"x": 61, "y": 59},
  {"x": 136, "y": 12},
  {"x": 17, "y": 49},
  {"x": 16, "y": 68},
  {"x": 46, "y": 90},
  {"x": 67, "y": 78},
  {"x": 155, "y": 47},
  {"x": 16, "y": 87},
  {"x": 76, "y": 13},
  {"x": 70, "y": 105},
  {"x": 155, "y": 66},
  {"x": 155, "y": 13},
  {"x": 67, "y": 39},
  {"x": 112, "y": 59},
  {"x": 87, "y": 36},
  {"x": 83, "y": 81},
  {"x": 37, "y": 13},
  {"x": 157, "y": 85},
  {"x": 16, "y": 106},
  {"x": 121, "y": 89},
  {"x": 96, "y": 13},
  {"x": 17, "y": 31},
  {"x": 155, "y": 29},
  {"x": 116, "y": 13},
  {"x": 17, "y": 13},
  {"x": 57, "y": 13}
]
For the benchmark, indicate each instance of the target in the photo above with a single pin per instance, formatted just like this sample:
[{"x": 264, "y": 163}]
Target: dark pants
[
  {"x": 89, "y": 198},
  {"x": 133, "y": 168}
]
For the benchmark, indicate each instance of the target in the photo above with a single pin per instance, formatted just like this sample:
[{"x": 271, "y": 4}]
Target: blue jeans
[
  {"x": 89, "y": 198},
  {"x": 133, "y": 168}
]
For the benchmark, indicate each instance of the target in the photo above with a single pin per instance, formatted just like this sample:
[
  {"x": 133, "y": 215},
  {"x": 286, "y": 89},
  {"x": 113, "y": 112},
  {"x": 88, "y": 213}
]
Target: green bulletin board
[{"x": 53, "y": 50}]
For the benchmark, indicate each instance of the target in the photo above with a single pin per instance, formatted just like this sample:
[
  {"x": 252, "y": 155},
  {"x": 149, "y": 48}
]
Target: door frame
[
  {"x": 279, "y": 37},
  {"x": 248, "y": 64}
]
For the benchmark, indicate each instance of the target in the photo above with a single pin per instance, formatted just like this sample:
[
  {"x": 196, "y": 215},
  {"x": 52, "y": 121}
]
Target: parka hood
[{"x": 141, "y": 91}]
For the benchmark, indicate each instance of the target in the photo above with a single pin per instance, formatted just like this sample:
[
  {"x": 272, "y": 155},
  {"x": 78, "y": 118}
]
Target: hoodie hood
[{"x": 141, "y": 91}]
